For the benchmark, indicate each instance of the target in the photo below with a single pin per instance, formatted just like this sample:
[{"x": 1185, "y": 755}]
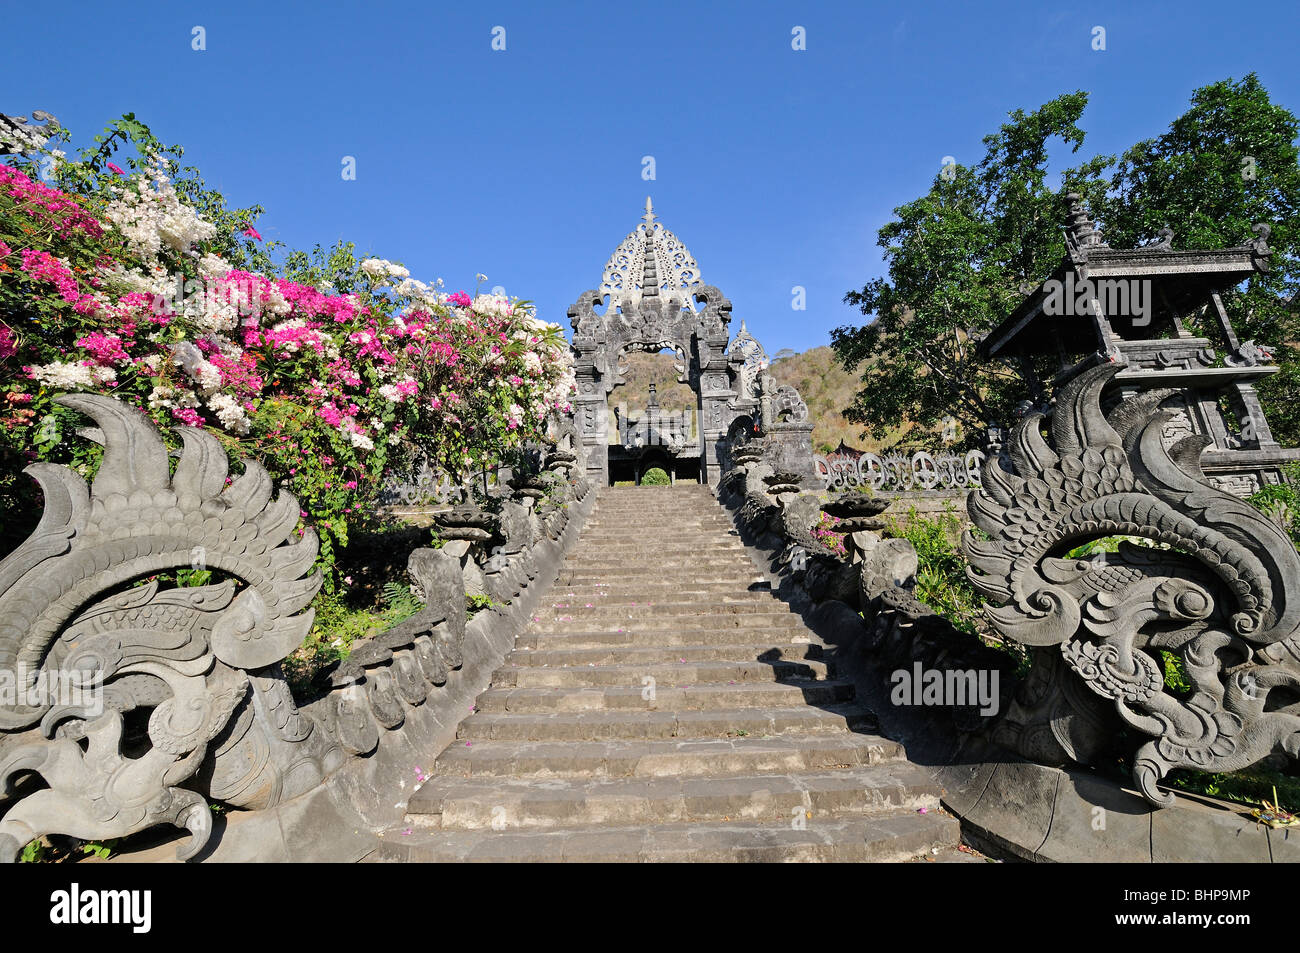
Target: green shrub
[
  {"x": 1281, "y": 502},
  {"x": 941, "y": 581},
  {"x": 338, "y": 624},
  {"x": 941, "y": 570},
  {"x": 655, "y": 476}
]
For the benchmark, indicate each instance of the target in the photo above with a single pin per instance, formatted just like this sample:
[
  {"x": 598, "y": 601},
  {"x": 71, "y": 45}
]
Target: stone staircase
[{"x": 665, "y": 706}]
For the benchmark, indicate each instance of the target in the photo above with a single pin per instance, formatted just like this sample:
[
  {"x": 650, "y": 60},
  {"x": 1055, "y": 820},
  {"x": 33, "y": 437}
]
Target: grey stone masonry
[
  {"x": 652, "y": 299},
  {"x": 664, "y": 705}
]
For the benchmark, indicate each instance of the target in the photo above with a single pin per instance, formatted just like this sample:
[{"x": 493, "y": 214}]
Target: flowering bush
[
  {"x": 825, "y": 533},
  {"x": 330, "y": 370}
]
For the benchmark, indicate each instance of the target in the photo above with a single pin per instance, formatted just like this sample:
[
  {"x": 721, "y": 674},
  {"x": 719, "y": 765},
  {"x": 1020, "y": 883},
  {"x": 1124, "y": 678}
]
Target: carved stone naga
[
  {"x": 181, "y": 693},
  {"x": 1217, "y": 584}
]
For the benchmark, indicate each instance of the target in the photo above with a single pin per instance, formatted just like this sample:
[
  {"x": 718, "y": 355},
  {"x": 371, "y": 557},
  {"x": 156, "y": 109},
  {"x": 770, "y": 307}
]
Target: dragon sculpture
[
  {"x": 1204, "y": 577},
  {"x": 192, "y": 658},
  {"x": 183, "y": 697}
]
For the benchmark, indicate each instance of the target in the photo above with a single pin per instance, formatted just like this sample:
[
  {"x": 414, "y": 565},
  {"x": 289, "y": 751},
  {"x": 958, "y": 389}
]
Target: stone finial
[
  {"x": 1079, "y": 227},
  {"x": 649, "y": 273},
  {"x": 1260, "y": 250},
  {"x": 649, "y": 215}
]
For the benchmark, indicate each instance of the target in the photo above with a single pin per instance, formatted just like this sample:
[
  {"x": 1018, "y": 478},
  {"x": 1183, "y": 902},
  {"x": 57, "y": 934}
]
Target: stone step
[
  {"x": 740, "y": 576},
  {"x": 681, "y": 525},
  {"x": 649, "y": 561},
  {"x": 615, "y": 550},
  {"x": 876, "y": 839},
  {"x": 648, "y": 629},
  {"x": 750, "y": 749},
  {"x": 669, "y": 758},
  {"x": 625, "y": 595},
  {"x": 599, "y": 536},
  {"x": 476, "y": 803},
  {"x": 644, "y": 619},
  {"x": 649, "y": 609},
  {"x": 651, "y": 503},
  {"x": 629, "y": 635},
  {"x": 666, "y": 696},
  {"x": 714, "y": 723},
  {"x": 681, "y": 522},
  {"x": 635, "y": 524},
  {"x": 673, "y": 672},
  {"x": 939, "y": 854},
  {"x": 664, "y": 654},
  {"x": 658, "y": 555},
  {"x": 636, "y": 491}
]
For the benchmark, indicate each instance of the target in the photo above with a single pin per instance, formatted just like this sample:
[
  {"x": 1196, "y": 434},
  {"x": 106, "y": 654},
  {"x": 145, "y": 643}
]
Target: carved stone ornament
[
  {"x": 73, "y": 611},
  {"x": 788, "y": 405},
  {"x": 746, "y": 349},
  {"x": 1217, "y": 584},
  {"x": 650, "y": 261}
]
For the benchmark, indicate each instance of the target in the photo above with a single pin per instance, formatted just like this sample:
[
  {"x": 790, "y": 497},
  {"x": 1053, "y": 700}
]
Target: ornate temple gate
[{"x": 652, "y": 299}]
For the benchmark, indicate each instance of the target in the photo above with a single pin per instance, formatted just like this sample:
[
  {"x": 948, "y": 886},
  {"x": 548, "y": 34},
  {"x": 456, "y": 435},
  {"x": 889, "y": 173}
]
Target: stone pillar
[
  {"x": 592, "y": 418},
  {"x": 716, "y": 393},
  {"x": 1248, "y": 407}
]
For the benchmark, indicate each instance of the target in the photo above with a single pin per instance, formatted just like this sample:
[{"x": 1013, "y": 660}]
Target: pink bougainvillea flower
[
  {"x": 116, "y": 169},
  {"x": 251, "y": 232}
]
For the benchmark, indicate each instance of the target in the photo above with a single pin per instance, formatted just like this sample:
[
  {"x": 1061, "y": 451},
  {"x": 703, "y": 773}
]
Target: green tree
[
  {"x": 1225, "y": 164},
  {"x": 957, "y": 258},
  {"x": 959, "y": 255}
]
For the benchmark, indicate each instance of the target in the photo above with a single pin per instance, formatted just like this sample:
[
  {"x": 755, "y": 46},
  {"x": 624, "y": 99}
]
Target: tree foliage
[
  {"x": 960, "y": 256},
  {"x": 1228, "y": 162}
]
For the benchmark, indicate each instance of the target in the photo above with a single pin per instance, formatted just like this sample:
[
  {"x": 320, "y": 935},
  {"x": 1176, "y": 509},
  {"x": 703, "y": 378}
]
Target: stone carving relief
[
  {"x": 788, "y": 406},
  {"x": 672, "y": 269},
  {"x": 1238, "y": 484},
  {"x": 1217, "y": 584},
  {"x": 753, "y": 361},
  {"x": 177, "y": 694},
  {"x": 1179, "y": 424},
  {"x": 922, "y": 470},
  {"x": 196, "y": 658}
]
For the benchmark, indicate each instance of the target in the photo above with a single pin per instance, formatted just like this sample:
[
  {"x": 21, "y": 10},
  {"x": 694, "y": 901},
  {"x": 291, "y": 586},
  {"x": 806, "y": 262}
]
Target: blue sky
[{"x": 775, "y": 166}]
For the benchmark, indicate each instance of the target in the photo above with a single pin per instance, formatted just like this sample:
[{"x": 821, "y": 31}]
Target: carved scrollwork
[
  {"x": 923, "y": 470},
  {"x": 674, "y": 268},
  {"x": 68, "y": 607},
  {"x": 1199, "y": 574}
]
